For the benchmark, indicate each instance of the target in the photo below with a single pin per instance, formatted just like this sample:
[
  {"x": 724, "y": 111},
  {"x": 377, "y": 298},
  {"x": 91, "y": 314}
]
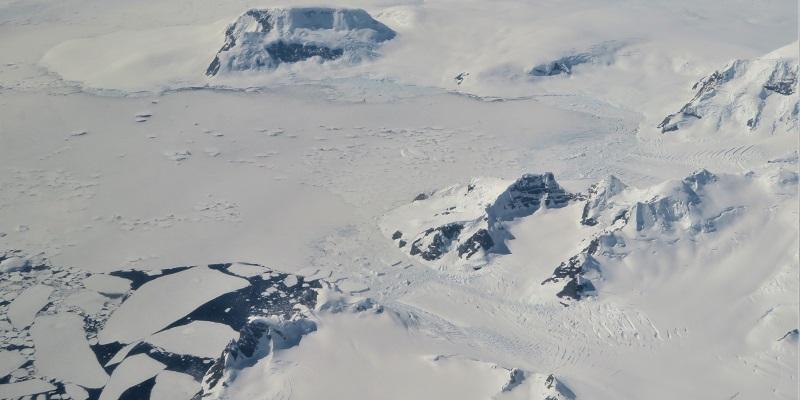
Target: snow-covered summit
[
  {"x": 671, "y": 219},
  {"x": 757, "y": 96},
  {"x": 265, "y": 38},
  {"x": 464, "y": 225}
]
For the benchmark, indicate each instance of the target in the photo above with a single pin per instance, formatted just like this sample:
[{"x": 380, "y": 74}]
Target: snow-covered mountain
[
  {"x": 673, "y": 213},
  {"x": 261, "y": 39},
  {"x": 747, "y": 96},
  {"x": 648, "y": 263},
  {"x": 469, "y": 226}
]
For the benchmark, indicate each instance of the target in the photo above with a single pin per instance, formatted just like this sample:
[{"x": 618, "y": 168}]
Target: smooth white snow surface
[
  {"x": 30, "y": 301},
  {"x": 62, "y": 351},
  {"x": 134, "y": 370},
  {"x": 107, "y": 284},
  {"x": 197, "y": 338},
  {"x": 160, "y": 302},
  {"x": 24, "y": 388},
  {"x": 172, "y": 385},
  {"x": 9, "y": 361},
  {"x": 89, "y": 301}
]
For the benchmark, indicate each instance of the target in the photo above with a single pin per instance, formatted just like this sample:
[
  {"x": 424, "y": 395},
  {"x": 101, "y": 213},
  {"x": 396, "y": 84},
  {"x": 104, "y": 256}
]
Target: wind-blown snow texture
[{"x": 578, "y": 199}]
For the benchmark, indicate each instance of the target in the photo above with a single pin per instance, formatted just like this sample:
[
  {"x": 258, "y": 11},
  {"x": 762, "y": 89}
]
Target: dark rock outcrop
[
  {"x": 479, "y": 240},
  {"x": 571, "y": 271},
  {"x": 435, "y": 242},
  {"x": 526, "y": 195}
]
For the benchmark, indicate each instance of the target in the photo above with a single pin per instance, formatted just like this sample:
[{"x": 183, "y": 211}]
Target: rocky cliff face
[{"x": 265, "y": 38}]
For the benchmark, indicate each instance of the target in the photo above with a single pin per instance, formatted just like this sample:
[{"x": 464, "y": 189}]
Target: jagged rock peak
[
  {"x": 526, "y": 195},
  {"x": 598, "y": 197},
  {"x": 700, "y": 178}
]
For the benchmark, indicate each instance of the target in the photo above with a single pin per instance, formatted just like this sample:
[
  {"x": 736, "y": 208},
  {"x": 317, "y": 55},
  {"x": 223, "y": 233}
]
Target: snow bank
[{"x": 23, "y": 309}]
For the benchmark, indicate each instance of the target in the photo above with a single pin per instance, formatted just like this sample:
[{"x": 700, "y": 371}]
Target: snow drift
[{"x": 264, "y": 38}]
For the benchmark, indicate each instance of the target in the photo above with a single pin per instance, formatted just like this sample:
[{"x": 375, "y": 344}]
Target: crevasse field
[{"x": 399, "y": 199}]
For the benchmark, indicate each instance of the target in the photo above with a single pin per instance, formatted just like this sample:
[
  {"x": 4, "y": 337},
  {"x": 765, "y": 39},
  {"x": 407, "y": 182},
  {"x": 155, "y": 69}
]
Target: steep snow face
[
  {"x": 264, "y": 38},
  {"x": 462, "y": 227},
  {"x": 747, "y": 96}
]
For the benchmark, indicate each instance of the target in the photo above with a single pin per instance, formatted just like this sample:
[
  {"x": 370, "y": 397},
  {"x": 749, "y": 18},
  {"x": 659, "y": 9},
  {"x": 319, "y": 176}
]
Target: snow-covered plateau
[{"x": 399, "y": 199}]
